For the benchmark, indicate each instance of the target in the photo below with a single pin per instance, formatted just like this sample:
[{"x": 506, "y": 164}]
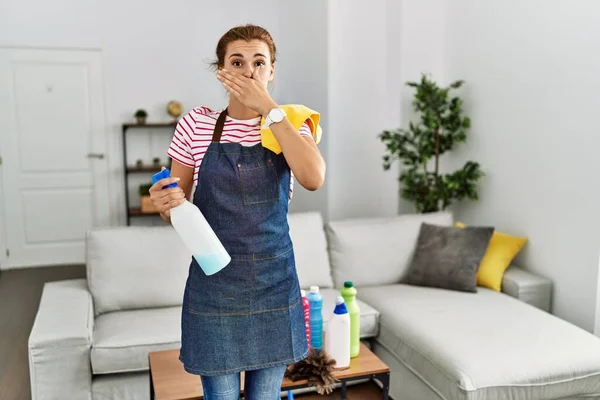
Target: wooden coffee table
[{"x": 169, "y": 381}]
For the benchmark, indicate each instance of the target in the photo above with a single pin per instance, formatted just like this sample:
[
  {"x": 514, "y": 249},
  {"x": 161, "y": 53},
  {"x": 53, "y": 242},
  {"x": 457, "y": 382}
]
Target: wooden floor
[{"x": 20, "y": 292}]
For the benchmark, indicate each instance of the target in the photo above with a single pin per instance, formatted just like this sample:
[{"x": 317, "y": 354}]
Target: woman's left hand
[{"x": 249, "y": 91}]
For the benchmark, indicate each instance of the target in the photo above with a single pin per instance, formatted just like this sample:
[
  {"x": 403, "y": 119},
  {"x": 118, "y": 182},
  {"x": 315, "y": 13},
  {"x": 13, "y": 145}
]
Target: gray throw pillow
[{"x": 448, "y": 257}]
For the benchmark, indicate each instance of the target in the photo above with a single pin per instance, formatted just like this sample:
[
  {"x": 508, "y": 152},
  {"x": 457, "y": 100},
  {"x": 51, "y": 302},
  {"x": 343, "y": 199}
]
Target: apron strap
[{"x": 216, "y": 138}]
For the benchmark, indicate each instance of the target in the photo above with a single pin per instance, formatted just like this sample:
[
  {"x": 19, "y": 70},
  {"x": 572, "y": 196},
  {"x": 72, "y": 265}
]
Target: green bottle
[{"x": 348, "y": 292}]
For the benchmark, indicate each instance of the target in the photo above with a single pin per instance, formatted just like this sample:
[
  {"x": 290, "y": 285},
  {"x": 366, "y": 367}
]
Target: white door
[{"x": 52, "y": 144}]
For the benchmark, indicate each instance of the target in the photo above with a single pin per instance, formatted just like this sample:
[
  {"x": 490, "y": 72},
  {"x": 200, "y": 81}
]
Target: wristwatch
[{"x": 274, "y": 116}]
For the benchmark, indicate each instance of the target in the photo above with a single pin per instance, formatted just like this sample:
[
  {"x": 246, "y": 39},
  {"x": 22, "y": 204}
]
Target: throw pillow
[
  {"x": 448, "y": 257},
  {"x": 502, "y": 250}
]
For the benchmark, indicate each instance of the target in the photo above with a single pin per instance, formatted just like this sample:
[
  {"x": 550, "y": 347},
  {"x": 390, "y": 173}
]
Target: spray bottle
[{"x": 196, "y": 233}]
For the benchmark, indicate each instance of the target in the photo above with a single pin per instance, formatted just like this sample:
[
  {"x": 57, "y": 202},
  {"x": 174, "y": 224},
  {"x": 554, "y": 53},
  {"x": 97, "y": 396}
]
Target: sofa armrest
[
  {"x": 528, "y": 287},
  {"x": 60, "y": 342}
]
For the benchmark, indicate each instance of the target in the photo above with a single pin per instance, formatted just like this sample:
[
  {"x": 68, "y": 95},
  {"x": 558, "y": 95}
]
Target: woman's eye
[
  {"x": 237, "y": 63},
  {"x": 260, "y": 63}
]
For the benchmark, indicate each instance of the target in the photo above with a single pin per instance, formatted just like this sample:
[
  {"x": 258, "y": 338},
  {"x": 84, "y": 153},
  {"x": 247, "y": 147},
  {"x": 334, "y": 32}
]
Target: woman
[{"x": 247, "y": 317}]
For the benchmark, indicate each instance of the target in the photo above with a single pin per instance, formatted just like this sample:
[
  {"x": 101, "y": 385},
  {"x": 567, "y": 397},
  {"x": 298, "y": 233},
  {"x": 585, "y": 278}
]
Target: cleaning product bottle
[
  {"x": 337, "y": 338},
  {"x": 316, "y": 317},
  {"x": 349, "y": 294},
  {"x": 196, "y": 233},
  {"x": 306, "y": 307}
]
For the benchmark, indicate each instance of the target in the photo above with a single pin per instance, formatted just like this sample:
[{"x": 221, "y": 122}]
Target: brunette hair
[{"x": 246, "y": 32}]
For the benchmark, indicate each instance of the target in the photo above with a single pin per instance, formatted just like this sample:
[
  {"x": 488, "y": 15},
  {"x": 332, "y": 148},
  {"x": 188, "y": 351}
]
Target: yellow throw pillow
[{"x": 501, "y": 250}]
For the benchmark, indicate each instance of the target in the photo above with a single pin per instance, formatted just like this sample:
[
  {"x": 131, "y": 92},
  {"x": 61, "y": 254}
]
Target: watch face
[{"x": 277, "y": 115}]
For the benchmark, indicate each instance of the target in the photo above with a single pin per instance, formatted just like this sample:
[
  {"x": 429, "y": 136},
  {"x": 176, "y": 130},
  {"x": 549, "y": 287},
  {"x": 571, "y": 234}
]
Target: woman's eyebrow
[{"x": 242, "y": 56}]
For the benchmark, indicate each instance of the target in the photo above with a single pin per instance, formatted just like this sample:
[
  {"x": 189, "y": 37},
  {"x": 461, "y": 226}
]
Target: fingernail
[{"x": 177, "y": 179}]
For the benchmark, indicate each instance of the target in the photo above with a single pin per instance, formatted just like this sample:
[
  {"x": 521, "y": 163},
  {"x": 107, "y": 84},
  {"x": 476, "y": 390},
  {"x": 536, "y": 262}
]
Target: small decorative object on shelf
[
  {"x": 156, "y": 162},
  {"x": 140, "y": 115},
  {"x": 139, "y": 163},
  {"x": 146, "y": 205},
  {"x": 174, "y": 108}
]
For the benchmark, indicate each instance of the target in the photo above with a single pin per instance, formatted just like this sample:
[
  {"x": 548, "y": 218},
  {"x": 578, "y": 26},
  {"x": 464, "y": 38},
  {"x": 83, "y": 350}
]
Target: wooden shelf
[
  {"x": 151, "y": 125},
  {"x": 129, "y": 169},
  {"x": 145, "y": 168},
  {"x": 136, "y": 212}
]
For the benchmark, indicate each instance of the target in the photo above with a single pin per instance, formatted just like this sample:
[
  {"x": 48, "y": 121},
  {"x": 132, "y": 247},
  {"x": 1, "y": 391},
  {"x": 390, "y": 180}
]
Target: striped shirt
[{"x": 194, "y": 131}]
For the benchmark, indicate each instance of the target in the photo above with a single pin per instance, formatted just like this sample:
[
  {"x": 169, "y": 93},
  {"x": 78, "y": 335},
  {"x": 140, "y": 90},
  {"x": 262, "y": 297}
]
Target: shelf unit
[{"x": 132, "y": 169}]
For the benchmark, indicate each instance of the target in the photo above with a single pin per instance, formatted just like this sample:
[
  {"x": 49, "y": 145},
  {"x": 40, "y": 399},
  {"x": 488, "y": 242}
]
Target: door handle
[{"x": 96, "y": 155}]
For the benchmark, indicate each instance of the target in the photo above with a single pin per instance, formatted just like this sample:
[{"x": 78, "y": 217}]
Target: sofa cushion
[
  {"x": 136, "y": 267},
  {"x": 310, "y": 249},
  {"x": 502, "y": 249},
  {"x": 484, "y": 345},
  {"x": 369, "y": 317},
  {"x": 448, "y": 257},
  {"x": 131, "y": 386},
  {"x": 376, "y": 251},
  {"x": 123, "y": 339}
]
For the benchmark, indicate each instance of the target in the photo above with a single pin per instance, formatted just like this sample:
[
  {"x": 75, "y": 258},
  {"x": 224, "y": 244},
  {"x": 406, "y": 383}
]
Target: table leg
[
  {"x": 385, "y": 383},
  {"x": 151, "y": 387},
  {"x": 343, "y": 390}
]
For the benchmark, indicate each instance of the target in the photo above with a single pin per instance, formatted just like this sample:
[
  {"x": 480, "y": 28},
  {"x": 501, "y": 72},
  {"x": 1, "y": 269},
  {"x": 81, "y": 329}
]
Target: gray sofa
[{"x": 91, "y": 338}]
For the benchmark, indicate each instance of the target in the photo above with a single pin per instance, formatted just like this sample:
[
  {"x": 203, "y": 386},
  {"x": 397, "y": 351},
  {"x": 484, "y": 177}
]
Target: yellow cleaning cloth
[{"x": 297, "y": 114}]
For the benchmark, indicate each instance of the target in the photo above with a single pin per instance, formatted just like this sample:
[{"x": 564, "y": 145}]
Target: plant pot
[
  {"x": 141, "y": 120},
  {"x": 146, "y": 205}
]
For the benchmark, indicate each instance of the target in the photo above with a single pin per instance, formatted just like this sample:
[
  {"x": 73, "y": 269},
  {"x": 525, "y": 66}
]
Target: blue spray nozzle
[{"x": 165, "y": 173}]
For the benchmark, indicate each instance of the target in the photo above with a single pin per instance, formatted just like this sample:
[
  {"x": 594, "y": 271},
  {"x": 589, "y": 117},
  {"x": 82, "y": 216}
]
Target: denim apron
[{"x": 249, "y": 315}]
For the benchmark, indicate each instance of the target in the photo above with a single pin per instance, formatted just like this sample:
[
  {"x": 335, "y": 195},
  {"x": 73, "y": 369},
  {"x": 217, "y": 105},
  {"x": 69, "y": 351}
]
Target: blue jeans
[{"x": 262, "y": 384}]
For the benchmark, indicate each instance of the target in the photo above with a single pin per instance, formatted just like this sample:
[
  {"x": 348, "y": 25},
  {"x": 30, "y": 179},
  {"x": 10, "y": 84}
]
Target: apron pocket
[
  {"x": 259, "y": 184},
  {"x": 229, "y": 292}
]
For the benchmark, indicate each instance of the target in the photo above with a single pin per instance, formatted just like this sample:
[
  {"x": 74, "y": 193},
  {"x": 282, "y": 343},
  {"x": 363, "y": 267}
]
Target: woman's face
[{"x": 246, "y": 58}]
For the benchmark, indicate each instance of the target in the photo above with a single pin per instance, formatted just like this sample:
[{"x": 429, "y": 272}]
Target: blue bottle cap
[{"x": 165, "y": 173}]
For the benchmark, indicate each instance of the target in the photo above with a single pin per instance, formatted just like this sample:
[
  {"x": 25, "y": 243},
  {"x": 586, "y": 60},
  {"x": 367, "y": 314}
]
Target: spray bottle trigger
[{"x": 165, "y": 173}]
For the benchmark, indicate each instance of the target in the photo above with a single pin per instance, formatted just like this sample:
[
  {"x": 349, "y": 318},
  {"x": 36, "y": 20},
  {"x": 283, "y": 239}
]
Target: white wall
[
  {"x": 532, "y": 73},
  {"x": 362, "y": 102},
  {"x": 2, "y": 225},
  {"x": 422, "y": 27},
  {"x": 597, "y": 326},
  {"x": 302, "y": 78}
]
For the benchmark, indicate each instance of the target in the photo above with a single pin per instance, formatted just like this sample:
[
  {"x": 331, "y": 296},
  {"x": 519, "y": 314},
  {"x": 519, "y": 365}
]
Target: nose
[{"x": 248, "y": 70}]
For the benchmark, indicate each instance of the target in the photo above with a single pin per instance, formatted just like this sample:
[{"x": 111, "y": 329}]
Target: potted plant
[
  {"x": 139, "y": 164},
  {"x": 146, "y": 205},
  {"x": 441, "y": 126},
  {"x": 156, "y": 161},
  {"x": 140, "y": 115}
]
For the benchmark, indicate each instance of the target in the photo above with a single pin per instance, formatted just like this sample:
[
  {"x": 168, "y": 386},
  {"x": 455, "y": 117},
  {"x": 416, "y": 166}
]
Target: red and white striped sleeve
[
  {"x": 305, "y": 130},
  {"x": 180, "y": 148}
]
